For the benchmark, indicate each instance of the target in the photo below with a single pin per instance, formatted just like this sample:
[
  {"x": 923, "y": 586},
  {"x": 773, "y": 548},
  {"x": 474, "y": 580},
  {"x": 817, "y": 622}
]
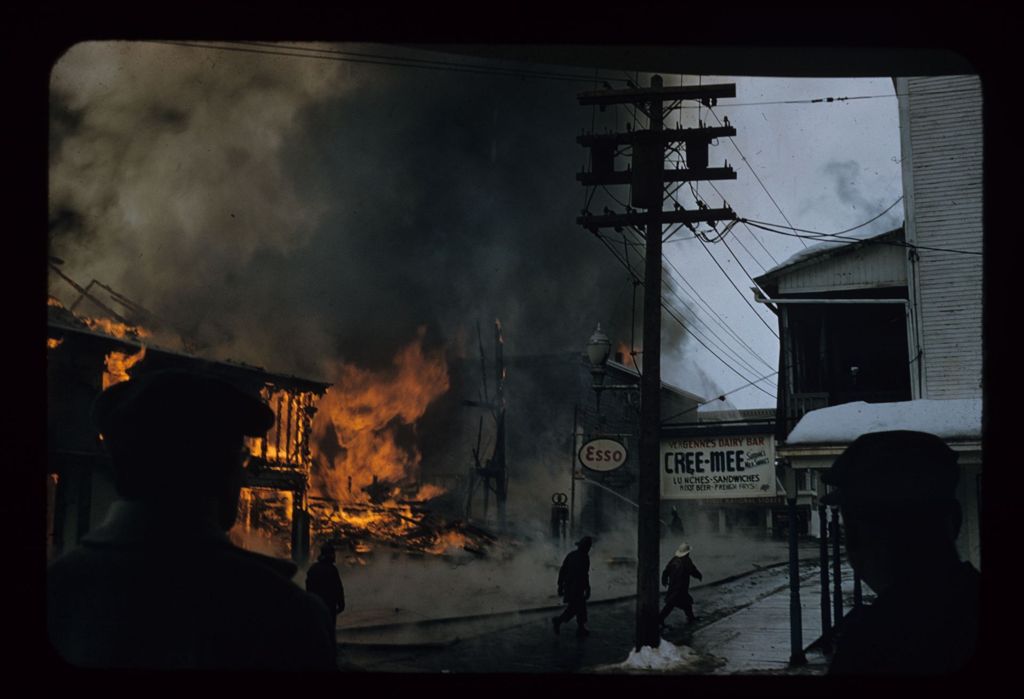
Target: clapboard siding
[
  {"x": 867, "y": 267},
  {"x": 943, "y": 134}
]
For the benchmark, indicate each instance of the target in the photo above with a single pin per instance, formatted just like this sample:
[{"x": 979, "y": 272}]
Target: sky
[{"x": 296, "y": 211}]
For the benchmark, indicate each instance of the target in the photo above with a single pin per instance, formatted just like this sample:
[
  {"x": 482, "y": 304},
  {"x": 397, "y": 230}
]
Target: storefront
[{"x": 718, "y": 475}]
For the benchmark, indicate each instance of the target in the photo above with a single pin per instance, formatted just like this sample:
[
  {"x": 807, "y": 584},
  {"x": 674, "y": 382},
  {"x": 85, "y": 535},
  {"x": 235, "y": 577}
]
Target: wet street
[{"x": 743, "y": 627}]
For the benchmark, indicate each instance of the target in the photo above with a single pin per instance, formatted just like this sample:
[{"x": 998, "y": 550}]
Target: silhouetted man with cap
[
  {"x": 896, "y": 491},
  {"x": 574, "y": 587},
  {"x": 158, "y": 584},
  {"x": 324, "y": 581}
]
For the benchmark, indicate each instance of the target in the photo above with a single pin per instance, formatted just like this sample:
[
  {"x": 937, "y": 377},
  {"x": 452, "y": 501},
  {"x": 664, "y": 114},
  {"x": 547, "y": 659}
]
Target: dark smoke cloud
[{"x": 289, "y": 212}]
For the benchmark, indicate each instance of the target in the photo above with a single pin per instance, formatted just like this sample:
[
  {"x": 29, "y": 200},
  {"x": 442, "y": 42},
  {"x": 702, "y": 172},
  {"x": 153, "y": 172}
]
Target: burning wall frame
[{"x": 80, "y": 481}]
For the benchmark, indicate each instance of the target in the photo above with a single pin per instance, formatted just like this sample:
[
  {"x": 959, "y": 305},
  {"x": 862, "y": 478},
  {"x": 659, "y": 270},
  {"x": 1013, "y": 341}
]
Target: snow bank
[{"x": 948, "y": 419}]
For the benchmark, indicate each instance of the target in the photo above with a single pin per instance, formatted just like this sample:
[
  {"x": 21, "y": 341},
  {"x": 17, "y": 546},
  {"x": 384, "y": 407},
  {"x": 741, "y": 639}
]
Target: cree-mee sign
[
  {"x": 603, "y": 454},
  {"x": 741, "y": 466}
]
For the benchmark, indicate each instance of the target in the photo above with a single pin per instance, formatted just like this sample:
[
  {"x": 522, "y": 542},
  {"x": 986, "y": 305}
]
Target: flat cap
[
  {"x": 899, "y": 466},
  {"x": 174, "y": 402}
]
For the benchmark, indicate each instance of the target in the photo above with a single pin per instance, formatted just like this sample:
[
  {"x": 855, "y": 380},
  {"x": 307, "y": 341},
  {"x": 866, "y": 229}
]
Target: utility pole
[{"x": 647, "y": 180}]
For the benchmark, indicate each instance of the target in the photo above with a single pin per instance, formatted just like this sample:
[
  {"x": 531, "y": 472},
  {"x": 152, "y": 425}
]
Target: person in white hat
[{"x": 677, "y": 576}]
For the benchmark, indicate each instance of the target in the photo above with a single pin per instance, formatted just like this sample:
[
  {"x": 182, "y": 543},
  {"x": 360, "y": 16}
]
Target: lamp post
[
  {"x": 598, "y": 349},
  {"x": 648, "y": 482},
  {"x": 796, "y": 631},
  {"x": 837, "y": 571}
]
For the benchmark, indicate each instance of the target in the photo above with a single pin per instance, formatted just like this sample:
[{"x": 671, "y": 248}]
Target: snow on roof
[
  {"x": 948, "y": 419},
  {"x": 827, "y": 246}
]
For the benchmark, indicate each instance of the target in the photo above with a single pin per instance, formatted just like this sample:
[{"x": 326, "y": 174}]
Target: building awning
[{"x": 823, "y": 434}]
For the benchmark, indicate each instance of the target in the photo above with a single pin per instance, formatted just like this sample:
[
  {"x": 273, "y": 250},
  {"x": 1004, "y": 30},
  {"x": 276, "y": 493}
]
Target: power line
[
  {"x": 853, "y": 228},
  {"x": 832, "y": 100},
  {"x": 673, "y": 314},
  {"x": 757, "y": 240},
  {"x": 721, "y": 322},
  {"x": 721, "y": 397},
  {"x": 754, "y": 173},
  {"x": 678, "y": 276},
  {"x": 742, "y": 295},
  {"x": 894, "y": 243},
  {"x": 377, "y": 59},
  {"x": 720, "y": 343}
]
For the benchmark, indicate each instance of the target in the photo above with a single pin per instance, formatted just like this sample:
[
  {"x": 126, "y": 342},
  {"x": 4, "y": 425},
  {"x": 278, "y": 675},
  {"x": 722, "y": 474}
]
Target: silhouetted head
[
  {"x": 177, "y": 436},
  {"x": 897, "y": 492},
  {"x": 584, "y": 544},
  {"x": 683, "y": 550}
]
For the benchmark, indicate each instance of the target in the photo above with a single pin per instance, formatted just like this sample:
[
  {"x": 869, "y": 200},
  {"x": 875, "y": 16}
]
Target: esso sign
[{"x": 603, "y": 454}]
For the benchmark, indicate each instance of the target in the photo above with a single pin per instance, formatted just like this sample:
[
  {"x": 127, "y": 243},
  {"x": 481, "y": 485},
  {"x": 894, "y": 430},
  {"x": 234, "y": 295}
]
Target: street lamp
[
  {"x": 598, "y": 349},
  {"x": 648, "y": 483}
]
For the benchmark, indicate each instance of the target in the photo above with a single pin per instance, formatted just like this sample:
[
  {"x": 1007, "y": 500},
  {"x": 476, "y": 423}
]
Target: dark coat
[
  {"x": 574, "y": 576},
  {"x": 927, "y": 626},
  {"x": 135, "y": 594},
  {"x": 677, "y": 576},
  {"x": 324, "y": 581}
]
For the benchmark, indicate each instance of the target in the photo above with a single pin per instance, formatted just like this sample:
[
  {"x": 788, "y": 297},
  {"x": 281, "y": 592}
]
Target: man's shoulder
[{"x": 259, "y": 562}]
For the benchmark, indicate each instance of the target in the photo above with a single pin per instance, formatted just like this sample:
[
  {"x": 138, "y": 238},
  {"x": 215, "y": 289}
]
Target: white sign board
[
  {"x": 696, "y": 468},
  {"x": 603, "y": 454}
]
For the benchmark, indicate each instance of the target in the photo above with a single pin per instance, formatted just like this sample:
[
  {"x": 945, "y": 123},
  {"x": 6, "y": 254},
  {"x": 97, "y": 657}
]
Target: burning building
[
  {"x": 84, "y": 358},
  {"x": 341, "y": 463}
]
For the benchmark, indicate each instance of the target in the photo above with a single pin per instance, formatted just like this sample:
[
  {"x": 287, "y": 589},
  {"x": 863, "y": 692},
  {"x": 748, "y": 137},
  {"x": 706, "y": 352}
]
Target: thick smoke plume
[
  {"x": 291, "y": 212},
  {"x": 297, "y": 214}
]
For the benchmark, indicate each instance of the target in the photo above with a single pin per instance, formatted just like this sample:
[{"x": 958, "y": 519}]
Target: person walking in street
[
  {"x": 574, "y": 587},
  {"x": 896, "y": 492},
  {"x": 677, "y": 576},
  {"x": 324, "y": 581},
  {"x": 158, "y": 585},
  {"x": 676, "y": 525}
]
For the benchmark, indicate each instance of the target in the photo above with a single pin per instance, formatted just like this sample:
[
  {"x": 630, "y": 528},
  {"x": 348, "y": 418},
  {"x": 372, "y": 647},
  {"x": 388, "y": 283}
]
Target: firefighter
[
  {"x": 896, "y": 492},
  {"x": 574, "y": 587},
  {"x": 676, "y": 575},
  {"x": 324, "y": 581},
  {"x": 158, "y": 584}
]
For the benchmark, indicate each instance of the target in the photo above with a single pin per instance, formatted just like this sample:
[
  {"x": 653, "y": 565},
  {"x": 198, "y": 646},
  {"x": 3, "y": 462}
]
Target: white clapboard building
[{"x": 885, "y": 332}]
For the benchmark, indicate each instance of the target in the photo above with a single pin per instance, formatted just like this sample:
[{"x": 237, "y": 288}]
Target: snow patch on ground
[{"x": 667, "y": 657}]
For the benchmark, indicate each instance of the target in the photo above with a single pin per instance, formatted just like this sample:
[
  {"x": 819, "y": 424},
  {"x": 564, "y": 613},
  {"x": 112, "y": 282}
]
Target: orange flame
[
  {"x": 622, "y": 350},
  {"x": 263, "y": 514},
  {"x": 52, "y": 301},
  {"x": 53, "y": 342},
  {"x": 284, "y": 441},
  {"x": 118, "y": 365},
  {"x": 112, "y": 327},
  {"x": 366, "y": 410}
]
